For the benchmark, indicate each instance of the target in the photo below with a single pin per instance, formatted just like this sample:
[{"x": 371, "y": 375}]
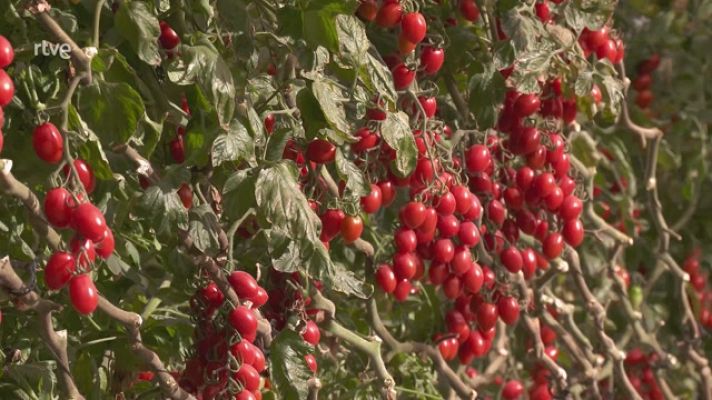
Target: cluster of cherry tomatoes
[
  {"x": 225, "y": 358},
  {"x": 643, "y": 81},
  {"x": 7, "y": 87},
  {"x": 67, "y": 208},
  {"x": 698, "y": 280},
  {"x": 640, "y": 370}
]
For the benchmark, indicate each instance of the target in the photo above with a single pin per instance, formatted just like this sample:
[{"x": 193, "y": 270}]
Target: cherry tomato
[
  {"x": 386, "y": 278},
  {"x": 169, "y": 39},
  {"x": 351, "y": 228},
  {"x": 7, "y": 53},
  {"x": 431, "y": 59},
  {"x": 56, "y": 207},
  {"x": 186, "y": 195},
  {"x": 371, "y": 203},
  {"x": 85, "y": 173},
  {"x": 105, "y": 247},
  {"x": 48, "y": 143},
  {"x": 311, "y": 333},
  {"x": 367, "y": 10},
  {"x": 244, "y": 284},
  {"x": 244, "y": 321},
  {"x": 321, "y": 151},
  {"x": 59, "y": 270},
  {"x": 89, "y": 222},
  {"x": 389, "y": 15},
  {"x": 414, "y": 27},
  {"x": 402, "y": 76},
  {"x": 83, "y": 294},
  {"x": 7, "y": 88}
]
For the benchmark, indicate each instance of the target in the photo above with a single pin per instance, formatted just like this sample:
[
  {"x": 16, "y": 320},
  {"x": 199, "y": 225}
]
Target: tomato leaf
[
  {"x": 287, "y": 368},
  {"x": 396, "y": 132},
  {"x": 356, "y": 183},
  {"x": 111, "y": 110},
  {"x": 234, "y": 145},
  {"x": 137, "y": 24},
  {"x": 487, "y": 90}
]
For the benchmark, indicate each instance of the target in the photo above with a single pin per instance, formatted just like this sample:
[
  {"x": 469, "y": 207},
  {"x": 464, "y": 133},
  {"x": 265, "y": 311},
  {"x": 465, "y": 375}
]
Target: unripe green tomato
[{"x": 635, "y": 295}]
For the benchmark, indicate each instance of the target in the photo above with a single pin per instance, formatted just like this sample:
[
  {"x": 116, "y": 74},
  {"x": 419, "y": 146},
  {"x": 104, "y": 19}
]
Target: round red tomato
[
  {"x": 371, "y": 203},
  {"x": 89, "y": 222},
  {"x": 244, "y": 284},
  {"x": 248, "y": 376},
  {"x": 367, "y": 10},
  {"x": 7, "y": 88},
  {"x": 351, "y": 228},
  {"x": 512, "y": 390},
  {"x": 321, "y": 151},
  {"x": 469, "y": 10},
  {"x": 83, "y": 294},
  {"x": 402, "y": 76},
  {"x": 59, "y": 270},
  {"x": 186, "y": 195},
  {"x": 311, "y": 333},
  {"x": 245, "y": 395},
  {"x": 311, "y": 362},
  {"x": 412, "y": 214},
  {"x": 83, "y": 250},
  {"x": 414, "y": 27},
  {"x": 386, "y": 278},
  {"x": 432, "y": 59},
  {"x": 85, "y": 173},
  {"x": 508, "y": 309},
  {"x": 244, "y": 321},
  {"x": 169, "y": 39},
  {"x": 389, "y": 15},
  {"x": 7, "y": 53},
  {"x": 269, "y": 123},
  {"x": 177, "y": 148},
  {"x": 212, "y": 295},
  {"x": 331, "y": 223},
  {"x": 48, "y": 143},
  {"x": 573, "y": 232},
  {"x": 553, "y": 245},
  {"x": 511, "y": 258},
  {"x": 105, "y": 247},
  {"x": 367, "y": 140},
  {"x": 486, "y": 316},
  {"x": 56, "y": 207}
]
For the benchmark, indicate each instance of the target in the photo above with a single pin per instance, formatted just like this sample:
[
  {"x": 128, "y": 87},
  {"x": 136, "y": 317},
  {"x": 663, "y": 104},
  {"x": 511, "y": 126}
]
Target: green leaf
[
  {"x": 276, "y": 144},
  {"x": 238, "y": 194},
  {"x": 378, "y": 78},
  {"x": 203, "y": 65},
  {"x": 330, "y": 98},
  {"x": 487, "y": 90},
  {"x": 287, "y": 369},
  {"x": 91, "y": 150},
  {"x": 320, "y": 29},
  {"x": 353, "y": 42},
  {"x": 163, "y": 209},
  {"x": 111, "y": 110},
  {"x": 395, "y": 130},
  {"x": 137, "y": 24},
  {"x": 282, "y": 205},
  {"x": 357, "y": 185},
  {"x": 312, "y": 116},
  {"x": 204, "y": 228},
  {"x": 293, "y": 230},
  {"x": 234, "y": 145}
]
